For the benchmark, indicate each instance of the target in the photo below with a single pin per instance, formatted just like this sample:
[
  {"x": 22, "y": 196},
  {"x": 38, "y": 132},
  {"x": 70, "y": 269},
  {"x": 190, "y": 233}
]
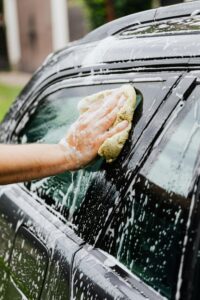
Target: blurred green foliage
[
  {"x": 7, "y": 95},
  {"x": 98, "y": 14}
]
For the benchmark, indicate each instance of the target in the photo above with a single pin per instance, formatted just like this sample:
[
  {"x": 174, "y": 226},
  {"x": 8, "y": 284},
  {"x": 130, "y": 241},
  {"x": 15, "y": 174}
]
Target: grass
[{"x": 7, "y": 96}]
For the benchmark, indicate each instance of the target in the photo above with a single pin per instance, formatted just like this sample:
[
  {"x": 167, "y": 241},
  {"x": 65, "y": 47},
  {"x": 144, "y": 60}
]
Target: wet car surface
[{"x": 126, "y": 230}]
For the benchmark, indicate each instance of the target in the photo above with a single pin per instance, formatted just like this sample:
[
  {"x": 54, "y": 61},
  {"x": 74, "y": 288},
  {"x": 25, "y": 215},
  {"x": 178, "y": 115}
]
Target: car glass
[
  {"x": 176, "y": 26},
  {"x": 49, "y": 124},
  {"x": 173, "y": 168},
  {"x": 6, "y": 238},
  {"x": 28, "y": 266},
  {"x": 147, "y": 230}
]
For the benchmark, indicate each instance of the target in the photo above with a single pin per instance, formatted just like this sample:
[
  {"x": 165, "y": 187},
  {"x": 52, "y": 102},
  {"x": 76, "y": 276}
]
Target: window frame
[
  {"x": 130, "y": 77},
  {"x": 31, "y": 102}
]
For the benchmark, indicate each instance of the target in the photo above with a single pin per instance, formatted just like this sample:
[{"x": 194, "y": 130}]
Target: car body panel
[
  {"x": 111, "y": 28},
  {"x": 93, "y": 278},
  {"x": 183, "y": 9},
  {"x": 22, "y": 210}
]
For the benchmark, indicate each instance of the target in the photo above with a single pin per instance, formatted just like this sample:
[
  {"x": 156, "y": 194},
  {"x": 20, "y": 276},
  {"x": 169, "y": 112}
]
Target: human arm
[{"x": 82, "y": 141}]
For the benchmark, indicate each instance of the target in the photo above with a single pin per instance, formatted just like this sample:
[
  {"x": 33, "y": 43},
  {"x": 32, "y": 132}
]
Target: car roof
[
  {"x": 161, "y": 13},
  {"x": 107, "y": 44}
]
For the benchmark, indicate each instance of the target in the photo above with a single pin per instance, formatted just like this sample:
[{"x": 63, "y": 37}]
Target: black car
[{"x": 126, "y": 230}]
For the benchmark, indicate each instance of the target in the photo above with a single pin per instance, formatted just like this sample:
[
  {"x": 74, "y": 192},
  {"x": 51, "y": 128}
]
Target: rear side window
[
  {"x": 174, "y": 166},
  {"x": 147, "y": 230},
  {"x": 49, "y": 123},
  {"x": 28, "y": 266}
]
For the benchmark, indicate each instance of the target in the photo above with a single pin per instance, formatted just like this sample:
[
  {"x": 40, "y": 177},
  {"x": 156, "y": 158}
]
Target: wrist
[{"x": 71, "y": 156}]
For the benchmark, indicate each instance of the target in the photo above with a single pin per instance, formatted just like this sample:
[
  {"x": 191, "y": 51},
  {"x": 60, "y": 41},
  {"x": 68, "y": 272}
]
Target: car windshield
[{"x": 176, "y": 26}]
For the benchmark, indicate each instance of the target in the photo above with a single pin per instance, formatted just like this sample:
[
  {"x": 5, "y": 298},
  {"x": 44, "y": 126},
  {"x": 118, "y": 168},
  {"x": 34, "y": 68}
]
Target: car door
[
  {"x": 192, "y": 289},
  {"x": 39, "y": 236},
  {"x": 141, "y": 223},
  {"x": 45, "y": 119}
]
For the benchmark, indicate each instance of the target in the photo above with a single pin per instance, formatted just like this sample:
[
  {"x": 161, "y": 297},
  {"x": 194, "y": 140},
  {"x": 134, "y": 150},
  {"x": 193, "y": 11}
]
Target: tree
[
  {"x": 110, "y": 10},
  {"x": 102, "y": 11},
  {"x": 127, "y": 7}
]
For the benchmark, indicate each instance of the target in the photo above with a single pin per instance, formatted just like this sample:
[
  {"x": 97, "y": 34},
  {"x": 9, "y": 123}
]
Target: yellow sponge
[{"x": 112, "y": 146}]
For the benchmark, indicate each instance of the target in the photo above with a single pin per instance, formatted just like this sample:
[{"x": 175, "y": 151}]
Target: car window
[
  {"x": 173, "y": 168},
  {"x": 28, "y": 266},
  {"x": 49, "y": 123},
  {"x": 55, "y": 113},
  {"x": 147, "y": 230}
]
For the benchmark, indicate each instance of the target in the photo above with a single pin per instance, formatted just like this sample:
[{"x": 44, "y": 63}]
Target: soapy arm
[{"x": 80, "y": 146}]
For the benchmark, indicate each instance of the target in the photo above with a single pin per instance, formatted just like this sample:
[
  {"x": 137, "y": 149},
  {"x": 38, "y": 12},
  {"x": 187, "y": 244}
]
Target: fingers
[
  {"x": 91, "y": 128},
  {"x": 95, "y": 105},
  {"x": 120, "y": 127},
  {"x": 105, "y": 116},
  {"x": 121, "y": 101},
  {"x": 107, "y": 121},
  {"x": 110, "y": 103}
]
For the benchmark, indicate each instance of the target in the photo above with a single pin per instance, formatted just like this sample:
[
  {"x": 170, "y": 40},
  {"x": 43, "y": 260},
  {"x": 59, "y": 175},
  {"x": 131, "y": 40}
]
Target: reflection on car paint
[{"x": 179, "y": 26}]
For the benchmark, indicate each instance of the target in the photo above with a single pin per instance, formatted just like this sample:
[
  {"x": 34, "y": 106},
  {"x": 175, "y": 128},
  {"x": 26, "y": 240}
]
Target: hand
[{"x": 91, "y": 129}]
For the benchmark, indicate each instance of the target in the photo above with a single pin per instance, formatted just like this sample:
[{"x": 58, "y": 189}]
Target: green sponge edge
[{"x": 112, "y": 146}]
